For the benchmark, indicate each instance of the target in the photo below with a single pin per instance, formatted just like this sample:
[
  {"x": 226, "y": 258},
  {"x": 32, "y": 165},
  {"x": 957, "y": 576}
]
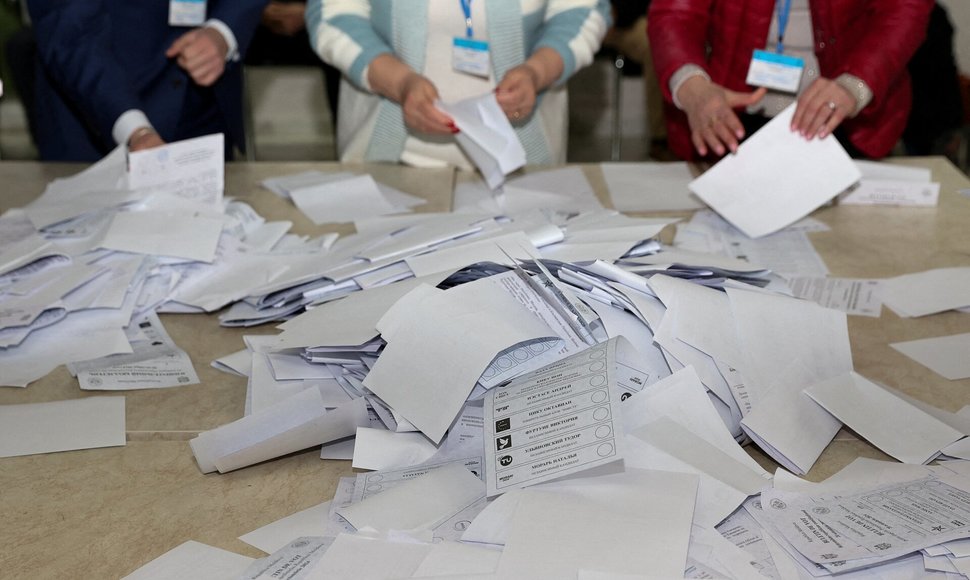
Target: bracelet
[{"x": 139, "y": 133}]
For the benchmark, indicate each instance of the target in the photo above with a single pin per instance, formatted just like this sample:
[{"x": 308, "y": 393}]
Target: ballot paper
[
  {"x": 879, "y": 522},
  {"x": 155, "y": 361},
  {"x": 430, "y": 344},
  {"x": 912, "y": 436},
  {"x": 367, "y": 558},
  {"x": 458, "y": 500},
  {"x": 556, "y": 421},
  {"x": 892, "y": 193},
  {"x": 194, "y": 236},
  {"x": 33, "y": 428},
  {"x": 342, "y": 200},
  {"x": 293, "y": 561},
  {"x": 192, "y": 169},
  {"x": 554, "y": 534},
  {"x": 422, "y": 502},
  {"x": 276, "y": 535},
  {"x": 193, "y": 560},
  {"x": 928, "y": 292},
  {"x": 487, "y": 137},
  {"x": 858, "y": 297},
  {"x": 776, "y": 178},
  {"x": 650, "y": 186},
  {"x": 944, "y": 355}
]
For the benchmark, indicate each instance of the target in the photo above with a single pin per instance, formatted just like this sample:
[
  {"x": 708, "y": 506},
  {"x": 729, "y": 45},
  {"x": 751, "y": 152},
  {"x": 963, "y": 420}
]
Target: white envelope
[{"x": 487, "y": 137}]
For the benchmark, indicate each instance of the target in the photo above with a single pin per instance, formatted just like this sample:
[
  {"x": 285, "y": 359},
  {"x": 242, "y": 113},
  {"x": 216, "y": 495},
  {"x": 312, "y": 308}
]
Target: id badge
[
  {"x": 470, "y": 56},
  {"x": 186, "y": 12},
  {"x": 775, "y": 71}
]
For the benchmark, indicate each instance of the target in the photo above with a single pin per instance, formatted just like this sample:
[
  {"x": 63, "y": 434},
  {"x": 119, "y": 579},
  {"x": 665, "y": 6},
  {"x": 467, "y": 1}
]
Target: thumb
[
  {"x": 736, "y": 100},
  {"x": 180, "y": 43}
]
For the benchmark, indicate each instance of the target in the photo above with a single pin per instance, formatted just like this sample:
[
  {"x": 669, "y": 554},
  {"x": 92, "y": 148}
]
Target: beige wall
[{"x": 959, "y": 11}]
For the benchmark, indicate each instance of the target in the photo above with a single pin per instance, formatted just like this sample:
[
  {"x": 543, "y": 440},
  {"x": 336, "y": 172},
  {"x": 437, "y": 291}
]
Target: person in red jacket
[{"x": 853, "y": 80}]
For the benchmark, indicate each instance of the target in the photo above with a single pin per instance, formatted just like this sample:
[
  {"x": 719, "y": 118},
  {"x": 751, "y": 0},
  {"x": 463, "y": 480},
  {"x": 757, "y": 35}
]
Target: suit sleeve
[
  {"x": 74, "y": 47},
  {"x": 241, "y": 16}
]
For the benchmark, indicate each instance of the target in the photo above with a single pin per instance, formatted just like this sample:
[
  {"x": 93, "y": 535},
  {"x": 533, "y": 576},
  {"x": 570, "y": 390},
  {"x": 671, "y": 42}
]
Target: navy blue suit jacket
[{"x": 100, "y": 58}]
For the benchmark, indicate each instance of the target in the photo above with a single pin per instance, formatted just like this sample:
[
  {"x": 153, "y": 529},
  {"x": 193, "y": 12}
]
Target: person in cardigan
[
  {"x": 398, "y": 58},
  {"x": 854, "y": 81}
]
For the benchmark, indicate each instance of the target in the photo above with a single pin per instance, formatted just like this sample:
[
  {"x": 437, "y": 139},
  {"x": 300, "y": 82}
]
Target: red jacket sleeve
[{"x": 678, "y": 36}]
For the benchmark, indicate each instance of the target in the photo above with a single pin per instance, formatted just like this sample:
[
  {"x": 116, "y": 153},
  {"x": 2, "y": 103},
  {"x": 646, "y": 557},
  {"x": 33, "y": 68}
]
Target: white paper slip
[
  {"x": 888, "y": 422},
  {"x": 293, "y": 561},
  {"x": 944, "y": 355},
  {"x": 928, "y": 292},
  {"x": 193, "y": 560},
  {"x": 343, "y": 200},
  {"x": 421, "y": 503},
  {"x": 276, "y": 535},
  {"x": 892, "y": 193},
  {"x": 62, "y": 426},
  {"x": 650, "y": 186},
  {"x": 194, "y": 236},
  {"x": 192, "y": 169},
  {"x": 487, "y": 137},
  {"x": 554, "y": 535},
  {"x": 882, "y": 170},
  {"x": 383, "y": 449},
  {"x": 556, "y": 421},
  {"x": 364, "y": 558},
  {"x": 877, "y": 522},
  {"x": 774, "y": 179},
  {"x": 857, "y": 297}
]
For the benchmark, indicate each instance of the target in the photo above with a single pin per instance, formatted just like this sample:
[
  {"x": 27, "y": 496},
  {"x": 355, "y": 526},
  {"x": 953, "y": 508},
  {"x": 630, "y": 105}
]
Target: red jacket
[{"x": 871, "y": 39}]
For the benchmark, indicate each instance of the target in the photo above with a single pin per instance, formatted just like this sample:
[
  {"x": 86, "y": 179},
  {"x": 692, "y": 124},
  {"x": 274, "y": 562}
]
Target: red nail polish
[{"x": 455, "y": 130}]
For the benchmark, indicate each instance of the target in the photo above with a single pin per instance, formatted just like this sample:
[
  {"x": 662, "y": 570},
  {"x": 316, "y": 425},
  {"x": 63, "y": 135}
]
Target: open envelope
[{"x": 487, "y": 137}]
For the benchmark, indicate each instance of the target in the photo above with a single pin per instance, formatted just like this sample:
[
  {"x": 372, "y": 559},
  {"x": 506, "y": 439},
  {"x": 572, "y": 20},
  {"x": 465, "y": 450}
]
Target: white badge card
[
  {"x": 775, "y": 71},
  {"x": 470, "y": 56},
  {"x": 186, "y": 12}
]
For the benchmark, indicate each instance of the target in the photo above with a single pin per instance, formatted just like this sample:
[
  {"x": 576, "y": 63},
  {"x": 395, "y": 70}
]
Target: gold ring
[{"x": 515, "y": 114}]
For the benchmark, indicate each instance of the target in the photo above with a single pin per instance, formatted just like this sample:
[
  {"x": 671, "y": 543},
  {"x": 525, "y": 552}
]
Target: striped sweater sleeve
[
  {"x": 574, "y": 29},
  {"x": 342, "y": 34}
]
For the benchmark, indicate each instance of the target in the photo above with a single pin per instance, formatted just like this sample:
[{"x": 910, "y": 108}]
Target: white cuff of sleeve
[
  {"x": 681, "y": 76},
  {"x": 859, "y": 90},
  {"x": 127, "y": 123},
  {"x": 226, "y": 32}
]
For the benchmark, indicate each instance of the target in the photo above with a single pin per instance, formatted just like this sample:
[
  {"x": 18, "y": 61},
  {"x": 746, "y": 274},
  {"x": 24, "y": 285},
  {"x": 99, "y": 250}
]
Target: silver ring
[{"x": 831, "y": 105}]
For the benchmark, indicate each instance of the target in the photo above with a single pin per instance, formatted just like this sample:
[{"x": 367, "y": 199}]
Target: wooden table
[{"x": 101, "y": 513}]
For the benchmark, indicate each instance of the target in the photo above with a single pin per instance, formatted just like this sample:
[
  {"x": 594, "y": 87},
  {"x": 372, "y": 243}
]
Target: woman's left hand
[
  {"x": 516, "y": 93},
  {"x": 821, "y": 108}
]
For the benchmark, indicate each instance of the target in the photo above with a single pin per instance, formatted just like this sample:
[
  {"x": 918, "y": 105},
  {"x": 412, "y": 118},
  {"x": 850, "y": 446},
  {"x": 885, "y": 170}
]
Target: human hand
[
  {"x": 201, "y": 52},
  {"x": 516, "y": 93},
  {"x": 821, "y": 108},
  {"x": 284, "y": 18},
  {"x": 710, "y": 108},
  {"x": 417, "y": 98},
  {"x": 144, "y": 138}
]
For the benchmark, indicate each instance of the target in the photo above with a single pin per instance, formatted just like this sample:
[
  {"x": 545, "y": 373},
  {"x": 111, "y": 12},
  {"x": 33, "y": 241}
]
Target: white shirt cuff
[
  {"x": 681, "y": 76},
  {"x": 127, "y": 123},
  {"x": 226, "y": 32}
]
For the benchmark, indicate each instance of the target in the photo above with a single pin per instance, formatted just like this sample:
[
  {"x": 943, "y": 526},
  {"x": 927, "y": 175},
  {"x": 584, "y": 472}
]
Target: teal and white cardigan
[{"x": 349, "y": 34}]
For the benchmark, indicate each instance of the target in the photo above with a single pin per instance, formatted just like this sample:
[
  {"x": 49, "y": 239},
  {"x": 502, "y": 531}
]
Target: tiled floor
[{"x": 291, "y": 121}]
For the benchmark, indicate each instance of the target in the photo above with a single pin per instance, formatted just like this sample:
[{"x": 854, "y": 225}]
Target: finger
[
  {"x": 207, "y": 76},
  {"x": 733, "y": 123},
  {"x": 737, "y": 100},
  {"x": 699, "y": 143},
  {"x": 803, "y": 107},
  {"x": 180, "y": 43},
  {"x": 816, "y": 114},
  {"x": 726, "y": 136},
  {"x": 830, "y": 125},
  {"x": 712, "y": 140}
]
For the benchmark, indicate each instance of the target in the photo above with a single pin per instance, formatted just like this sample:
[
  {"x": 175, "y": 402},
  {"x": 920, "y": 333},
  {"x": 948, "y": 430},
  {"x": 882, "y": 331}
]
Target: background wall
[{"x": 959, "y": 12}]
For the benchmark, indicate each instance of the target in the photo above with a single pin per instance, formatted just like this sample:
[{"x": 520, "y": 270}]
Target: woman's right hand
[
  {"x": 714, "y": 126},
  {"x": 418, "y": 96},
  {"x": 391, "y": 78}
]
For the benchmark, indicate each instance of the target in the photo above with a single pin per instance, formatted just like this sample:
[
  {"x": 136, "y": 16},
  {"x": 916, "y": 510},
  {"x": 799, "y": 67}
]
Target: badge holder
[
  {"x": 775, "y": 71},
  {"x": 469, "y": 55},
  {"x": 186, "y": 12}
]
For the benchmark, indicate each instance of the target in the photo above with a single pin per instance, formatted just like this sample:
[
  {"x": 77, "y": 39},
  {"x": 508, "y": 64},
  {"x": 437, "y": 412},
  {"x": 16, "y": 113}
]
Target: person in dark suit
[{"x": 115, "y": 73}]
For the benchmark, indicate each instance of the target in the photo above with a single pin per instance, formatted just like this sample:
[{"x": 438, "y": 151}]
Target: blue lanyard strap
[
  {"x": 784, "y": 9},
  {"x": 466, "y": 7}
]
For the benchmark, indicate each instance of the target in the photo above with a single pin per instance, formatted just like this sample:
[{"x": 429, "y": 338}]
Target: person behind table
[
  {"x": 138, "y": 73},
  {"x": 853, "y": 78},
  {"x": 398, "y": 58}
]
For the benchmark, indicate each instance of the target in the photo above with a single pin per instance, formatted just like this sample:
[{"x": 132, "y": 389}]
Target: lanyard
[
  {"x": 784, "y": 9},
  {"x": 466, "y": 7}
]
